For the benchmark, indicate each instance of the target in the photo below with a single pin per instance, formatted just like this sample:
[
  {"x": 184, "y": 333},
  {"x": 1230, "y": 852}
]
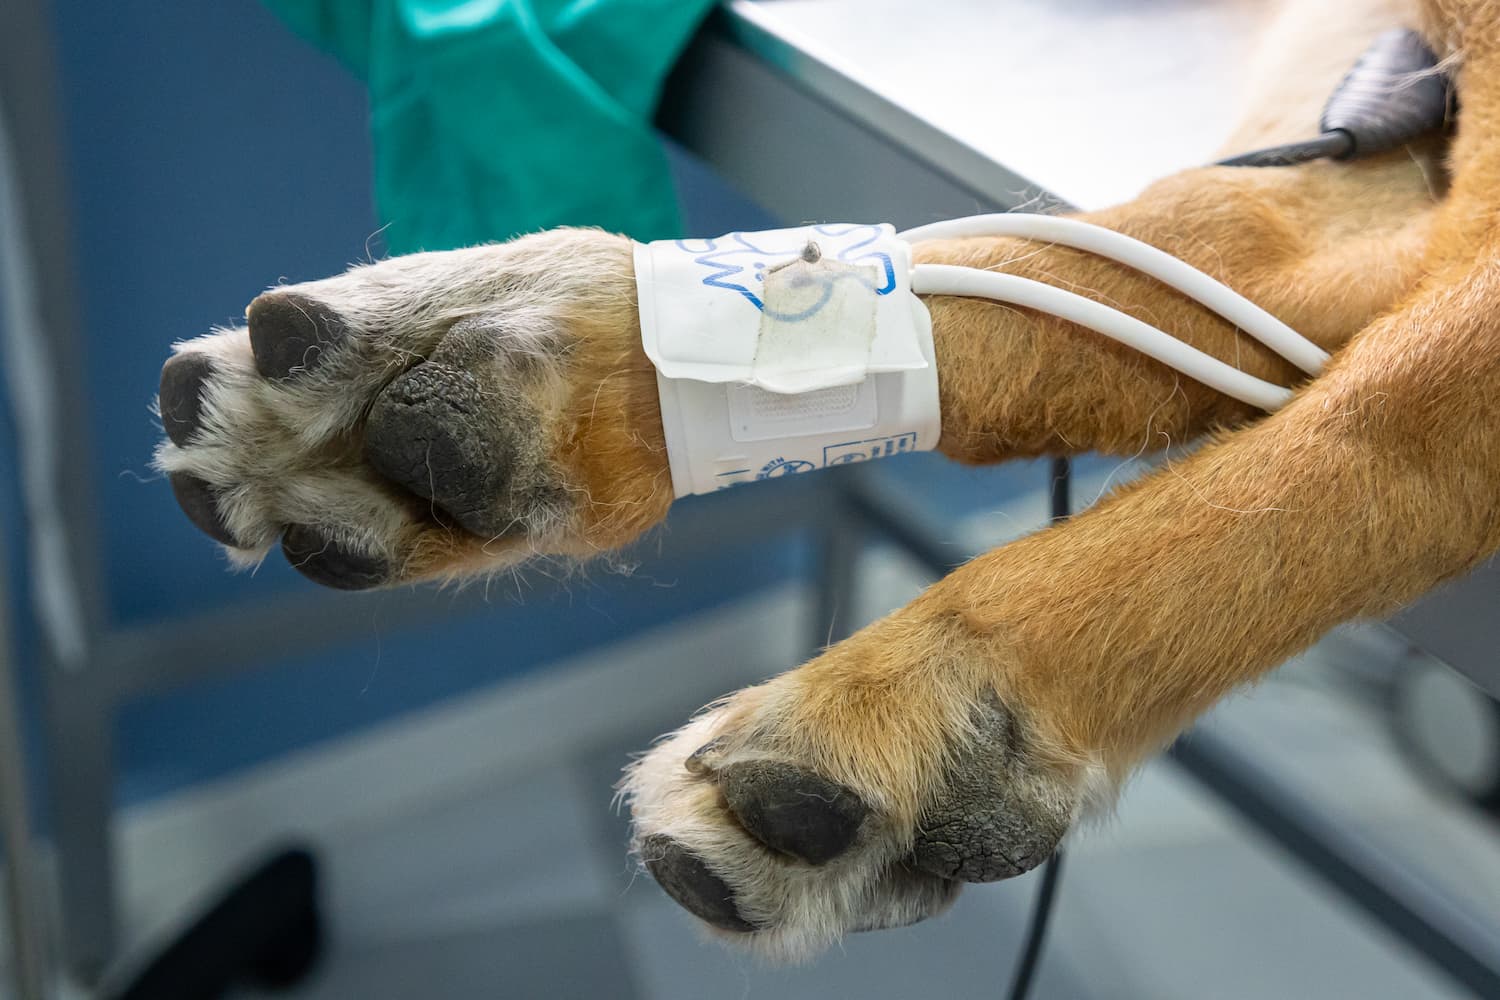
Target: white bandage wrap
[{"x": 786, "y": 351}]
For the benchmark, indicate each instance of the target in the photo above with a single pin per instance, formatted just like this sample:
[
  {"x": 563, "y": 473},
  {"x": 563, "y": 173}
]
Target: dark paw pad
[
  {"x": 322, "y": 561},
  {"x": 684, "y": 877},
  {"x": 434, "y": 432},
  {"x": 180, "y": 395},
  {"x": 197, "y": 500},
  {"x": 997, "y": 817},
  {"x": 291, "y": 334},
  {"x": 793, "y": 810}
]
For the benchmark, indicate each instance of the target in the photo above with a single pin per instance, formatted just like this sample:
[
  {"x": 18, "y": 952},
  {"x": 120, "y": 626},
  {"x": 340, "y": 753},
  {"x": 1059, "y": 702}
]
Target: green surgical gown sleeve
[{"x": 497, "y": 117}]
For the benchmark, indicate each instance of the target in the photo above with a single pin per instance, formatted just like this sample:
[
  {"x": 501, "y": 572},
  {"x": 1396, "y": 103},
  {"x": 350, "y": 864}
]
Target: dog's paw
[
  {"x": 436, "y": 415},
  {"x": 857, "y": 792}
]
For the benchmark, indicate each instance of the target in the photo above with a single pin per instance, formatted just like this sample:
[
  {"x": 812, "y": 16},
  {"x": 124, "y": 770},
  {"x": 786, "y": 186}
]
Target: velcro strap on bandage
[{"x": 786, "y": 351}]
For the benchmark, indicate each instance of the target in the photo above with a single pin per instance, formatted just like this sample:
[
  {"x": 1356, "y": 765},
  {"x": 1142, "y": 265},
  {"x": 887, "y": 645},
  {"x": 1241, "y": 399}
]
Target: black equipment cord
[
  {"x": 1060, "y": 502},
  {"x": 1036, "y": 933},
  {"x": 1395, "y": 93}
]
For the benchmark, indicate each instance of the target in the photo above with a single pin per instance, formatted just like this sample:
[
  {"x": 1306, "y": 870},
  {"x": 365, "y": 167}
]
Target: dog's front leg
[
  {"x": 957, "y": 739},
  {"x": 447, "y": 414}
]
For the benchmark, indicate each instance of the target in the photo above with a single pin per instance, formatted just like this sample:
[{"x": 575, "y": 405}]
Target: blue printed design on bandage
[{"x": 737, "y": 261}]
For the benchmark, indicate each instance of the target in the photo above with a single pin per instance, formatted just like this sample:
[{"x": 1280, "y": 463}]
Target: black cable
[
  {"x": 1036, "y": 934},
  {"x": 1392, "y": 95},
  {"x": 1060, "y": 494},
  {"x": 1328, "y": 146},
  {"x": 1060, "y": 500}
]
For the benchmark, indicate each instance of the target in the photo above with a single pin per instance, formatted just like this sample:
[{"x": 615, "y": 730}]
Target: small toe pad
[
  {"x": 323, "y": 561},
  {"x": 292, "y": 334},
  {"x": 197, "y": 500},
  {"x": 180, "y": 395},
  {"x": 683, "y": 876},
  {"x": 793, "y": 810}
]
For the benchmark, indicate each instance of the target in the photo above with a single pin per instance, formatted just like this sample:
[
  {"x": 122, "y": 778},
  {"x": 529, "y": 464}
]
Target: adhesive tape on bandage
[{"x": 786, "y": 351}]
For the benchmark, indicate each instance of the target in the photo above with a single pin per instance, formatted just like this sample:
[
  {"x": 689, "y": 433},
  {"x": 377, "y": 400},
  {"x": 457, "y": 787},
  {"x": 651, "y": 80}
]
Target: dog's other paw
[
  {"x": 857, "y": 792},
  {"x": 436, "y": 415}
]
